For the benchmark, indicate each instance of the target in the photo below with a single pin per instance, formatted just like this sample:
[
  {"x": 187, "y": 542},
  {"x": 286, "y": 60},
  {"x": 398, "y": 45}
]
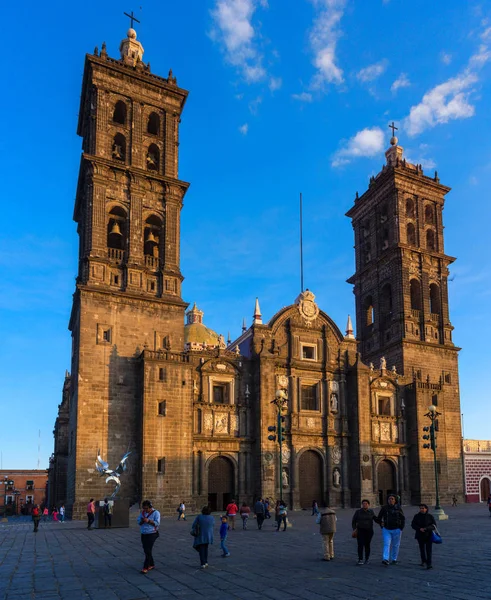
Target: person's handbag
[
  {"x": 355, "y": 533},
  {"x": 436, "y": 538},
  {"x": 195, "y": 531}
]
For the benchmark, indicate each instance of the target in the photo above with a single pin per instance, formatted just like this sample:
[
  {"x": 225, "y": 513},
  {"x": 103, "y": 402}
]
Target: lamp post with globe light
[
  {"x": 281, "y": 402},
  {"x": 430, "y": 435}
]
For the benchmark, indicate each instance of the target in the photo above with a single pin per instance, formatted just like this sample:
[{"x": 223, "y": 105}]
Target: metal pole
[
  {"x": 301, "y": 244},
  {"x": 433, "y": 435},
  {"x": 280, "y": 442}
]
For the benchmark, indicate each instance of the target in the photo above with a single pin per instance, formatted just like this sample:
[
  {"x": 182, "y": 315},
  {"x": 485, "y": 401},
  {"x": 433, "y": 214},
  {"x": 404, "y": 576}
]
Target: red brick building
[
  {"x": 22, "y": 488},
  {"x": 477, "y": 465}
]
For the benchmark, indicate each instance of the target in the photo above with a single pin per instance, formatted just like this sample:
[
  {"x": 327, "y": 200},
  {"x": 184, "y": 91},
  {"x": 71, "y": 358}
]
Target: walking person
[
  {"x": 36, "y": 517},
  {"x": 315, "y": 508},
  {"x": 202, "y": 531},
  {"x": 223, "y": 537},
  {"x": 90, "y": 513},
  {"x": 424, "y": 524},
  {"x": 362, "y": 525},
  {"x": 108, "y": 513},
  {"x": 149, "y": 521},
  {"x": 282, "y": 513},
  {"x": 327, "y": 521},
  {"x": 232, "y": 510},
  {"x": 55, "y": 514},
  {"x": 182, "y": 511},
  {"x": 245, "y": 511},
  {"x": 45, "y": 514},
  {"x": 454, "y": 500},
  {"x": 392, "y": 520},
  {"x": 62, "y": 513},
  {"x": 260, "y": 512}
]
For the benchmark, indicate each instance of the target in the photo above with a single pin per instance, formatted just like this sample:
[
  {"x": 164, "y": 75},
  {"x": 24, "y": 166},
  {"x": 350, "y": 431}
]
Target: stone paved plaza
[{"x": 65, "y": 561}]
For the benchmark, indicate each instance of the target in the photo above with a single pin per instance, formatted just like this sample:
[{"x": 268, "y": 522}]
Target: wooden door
[
  {"x": 386, "y": 478},
  {"x": 310, "y": 483},
  {"x": 220, "y": 483}
]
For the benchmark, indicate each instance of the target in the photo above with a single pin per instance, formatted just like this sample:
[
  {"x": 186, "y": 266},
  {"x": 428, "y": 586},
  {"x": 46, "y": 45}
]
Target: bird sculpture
[{"x": 112, "y": 475}]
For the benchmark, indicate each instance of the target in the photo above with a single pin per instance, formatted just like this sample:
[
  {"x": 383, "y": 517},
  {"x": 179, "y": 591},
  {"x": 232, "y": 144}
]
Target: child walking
[{"x": 223, "y": 537}]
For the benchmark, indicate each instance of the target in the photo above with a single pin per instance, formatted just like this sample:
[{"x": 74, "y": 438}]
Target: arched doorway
[
  {"x": 310, "y": 479},
  {"x": 220, "y": 483},
  {"x": 386, "y": 477},
  {"x": 485, "y": 488}
]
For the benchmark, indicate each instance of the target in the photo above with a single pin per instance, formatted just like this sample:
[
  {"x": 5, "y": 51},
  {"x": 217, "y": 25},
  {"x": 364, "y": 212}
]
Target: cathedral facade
[{"x": 198, "y": 414}]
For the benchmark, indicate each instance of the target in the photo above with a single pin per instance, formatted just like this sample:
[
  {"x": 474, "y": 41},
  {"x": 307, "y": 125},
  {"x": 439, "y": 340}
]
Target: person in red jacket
[
  {"x": 232, "y": 510},
  {"x": 36, "y": 517}
]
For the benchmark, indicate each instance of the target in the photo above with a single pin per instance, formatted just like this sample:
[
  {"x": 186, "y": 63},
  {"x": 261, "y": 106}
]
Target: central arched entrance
[
  {"x": 220, "y": 483},
  {"x": 310, "y": 479},
  {"x": 485, "y": 489},
  {"x": 386, "y": 478}
]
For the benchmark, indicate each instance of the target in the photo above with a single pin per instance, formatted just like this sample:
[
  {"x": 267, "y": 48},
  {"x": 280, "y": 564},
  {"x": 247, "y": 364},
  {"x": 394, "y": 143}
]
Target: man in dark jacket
[
  {"x": 259, "y": 510},
  {"x": 362, "y": 523},
  {"x": 424, "y": 524},
  {"x": 392, "y": 520}
]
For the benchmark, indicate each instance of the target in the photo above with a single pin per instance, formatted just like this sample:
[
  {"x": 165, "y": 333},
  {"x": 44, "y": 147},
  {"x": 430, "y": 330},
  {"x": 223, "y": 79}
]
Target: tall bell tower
[
  {"x": 402, "y": 310},
  {"x": 128, "y": 289}
]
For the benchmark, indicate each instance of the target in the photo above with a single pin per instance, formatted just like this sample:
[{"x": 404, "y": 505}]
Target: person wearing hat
[{"x": 392, "y": 520}]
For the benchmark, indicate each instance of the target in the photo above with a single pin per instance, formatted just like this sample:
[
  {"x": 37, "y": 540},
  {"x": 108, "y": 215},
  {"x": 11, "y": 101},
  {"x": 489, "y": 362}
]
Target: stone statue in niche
[
  {"x": 221, "y": 342},
  {"x": 285, "y": 481},
  {"x": 334, "y": 402},
  {"x": 195, "y": 387},
  {"x": 366, "y": 472},
  {"x": 336, "y": 477}
]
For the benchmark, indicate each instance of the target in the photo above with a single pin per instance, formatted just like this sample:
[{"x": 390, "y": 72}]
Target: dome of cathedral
[{"x": 195, "y": 332}]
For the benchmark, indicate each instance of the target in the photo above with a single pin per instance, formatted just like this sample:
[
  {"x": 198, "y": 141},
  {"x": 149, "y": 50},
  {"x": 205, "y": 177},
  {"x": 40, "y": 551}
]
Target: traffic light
[
  {"x": 426, "y": 437},
  {"x": 272, "y": 437},
  {"x": 281, "y": 429}
]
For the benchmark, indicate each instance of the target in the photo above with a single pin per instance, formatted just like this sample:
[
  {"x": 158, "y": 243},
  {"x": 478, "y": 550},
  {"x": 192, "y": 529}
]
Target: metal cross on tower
[
  {"x": 132, "y": 18},
  {"x": 393, "y": 127}
]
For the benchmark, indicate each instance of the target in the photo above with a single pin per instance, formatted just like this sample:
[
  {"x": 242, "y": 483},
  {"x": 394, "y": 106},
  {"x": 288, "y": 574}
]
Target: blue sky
[{"x": 285, "y": 96}]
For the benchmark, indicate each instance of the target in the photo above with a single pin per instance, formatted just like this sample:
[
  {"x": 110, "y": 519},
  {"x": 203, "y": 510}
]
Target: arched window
[
  {"x": 116, "y": 228},
  {"x": 369, "y": 312},
  {"x": 153, "y": 125},
  {"x": 435, "y": 305},
  {"x": 119, "y": 114},
  {"x": 153, "y": 158},
  {"x": 411, "y": 234},
  {"x": 409, "y": 209},
  {"x": 386, "y": 302},
  {"x": 119, "y": 147},
  {"x": 415, "y": 289},
  {"x": 152, "y": 233},
  {"x": 428, "y": 214},
  {"x": 430, "y": 239}
]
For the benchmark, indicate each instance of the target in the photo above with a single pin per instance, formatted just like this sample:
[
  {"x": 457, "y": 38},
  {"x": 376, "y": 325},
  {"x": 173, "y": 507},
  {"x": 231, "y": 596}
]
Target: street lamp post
[
  {"x": 280, "y": 401},
  {"x": 433, "y": 415}
]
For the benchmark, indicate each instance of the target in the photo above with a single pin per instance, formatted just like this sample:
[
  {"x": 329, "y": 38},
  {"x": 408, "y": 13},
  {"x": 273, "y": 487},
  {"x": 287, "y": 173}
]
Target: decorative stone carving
[
  {"x": 310, "y": 423},
  {"x": 234, "y": 424},
  {"x": 285, "y": 454},
  {"x": 282, "y": 381},
  {"x": 268, "y": 457},
  {"x": 336, "y": 455},
  {"x": 331, "y": 423},
  {"x": 221, "y": 423},
  {"x": 334, "y": 386},
  {"x": 334, "y": 403},
  {"x": 208, "y": 421},
  {"x": 307, "y": 307},
  {"x": 336, "y": 477},
  {"x": 220, "y": 367},
  {"x": 385, "y": 432},
  {"x": 366, "y": 472},
  {"x": 395, "y": 433},
  {"x": 376, "y": 432},
  {"x": 366, "y": 457}
]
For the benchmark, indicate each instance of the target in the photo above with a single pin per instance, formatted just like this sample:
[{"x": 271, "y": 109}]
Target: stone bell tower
[
  {"x": 128, "y": 291},
  {"x": 402, "y": 310}
]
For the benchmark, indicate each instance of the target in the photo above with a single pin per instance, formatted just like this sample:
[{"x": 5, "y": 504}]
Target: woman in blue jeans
[{"x": 202, "y": 530}]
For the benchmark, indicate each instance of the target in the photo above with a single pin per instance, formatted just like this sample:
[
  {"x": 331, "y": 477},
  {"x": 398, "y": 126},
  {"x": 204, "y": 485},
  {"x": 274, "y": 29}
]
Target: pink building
[{"x": 477, "y": 463}]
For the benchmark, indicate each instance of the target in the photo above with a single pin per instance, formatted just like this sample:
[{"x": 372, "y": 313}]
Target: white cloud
[
  {"x": 445, "y": 102},
  {"x": 303, "y": 97},
  {"x": 372, "y": 72},
  {"x": 426, "y": 163},
  {"x": 480, "y": 58},
  {"x": 244, "y": 128},
  {"x": 401, "y": 82},
  {"x": 323, "y": 40},
  {"x": 446, "y": 58},
  {"x": 234, "y": 30},
  {"x": 254, "y": 105},
  {"x": 367, "y": 142},
  {"x": 275, "y": 83}
]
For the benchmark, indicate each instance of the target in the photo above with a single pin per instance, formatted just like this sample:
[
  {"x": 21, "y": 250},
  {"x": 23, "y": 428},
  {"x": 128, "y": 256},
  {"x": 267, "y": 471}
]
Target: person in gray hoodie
[{"x": 327, "y": 521}]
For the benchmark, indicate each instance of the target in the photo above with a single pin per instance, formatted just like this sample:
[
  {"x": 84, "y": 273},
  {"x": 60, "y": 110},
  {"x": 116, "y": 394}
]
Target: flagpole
[{"x": 301, "y": 246}]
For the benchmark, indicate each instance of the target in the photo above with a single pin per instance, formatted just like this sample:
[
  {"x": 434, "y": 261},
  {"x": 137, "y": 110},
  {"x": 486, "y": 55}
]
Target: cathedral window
[
  {"x": 411, "y": 234},
  {"x": 162, "y": 374},
  {"x": 153, "y": 125},
  {"x": 384, "y": 406},
  {"x": 153, "y": 158},
  {"x": 435, "y": 299},
  {"x": 415, "y": 291},
  {"x": 116, "y": 231},
  {"x": 163, "y": 408},
  {"x": 430, "y": 240},
  {"x": 161, "y": 465},
  {"x": 409, "y": 208},
  {"x": 118, "y": 151},
  {"x": 221, "y": 393},
  {"x": 369, "y": 311},
  {"x": 308, "y": 352},
  {"x": 308, "y": 397},
  {"x": 429, "y": 214},
  {"x": 119, "y": 114}
]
